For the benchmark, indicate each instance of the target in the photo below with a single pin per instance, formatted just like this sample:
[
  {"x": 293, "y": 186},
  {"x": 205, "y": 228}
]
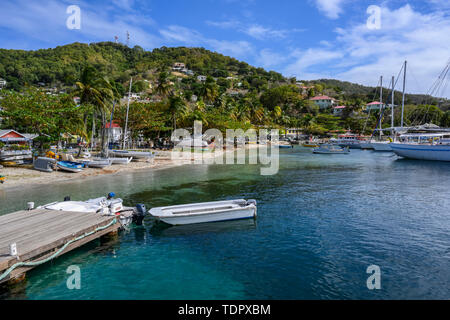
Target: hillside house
[{"x": 324, "y": 102}]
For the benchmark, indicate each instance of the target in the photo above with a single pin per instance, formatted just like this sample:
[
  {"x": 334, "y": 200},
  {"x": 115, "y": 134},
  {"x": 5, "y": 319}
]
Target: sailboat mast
[
  {"x": 403, "y": 95},
  {"x": 392, "y": 104},
  {"x": 381, "y": 103},
  {"x": 126, "y": 120}
]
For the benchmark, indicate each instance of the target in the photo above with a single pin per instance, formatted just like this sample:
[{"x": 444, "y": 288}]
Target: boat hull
[
  {"x": 366, "y": 146},
  {"x": 205, "y": 212},
  {"x": 422, "y": 152},
  {"x": 381, "y": 146},
  {"x": 70, "y": 167}
]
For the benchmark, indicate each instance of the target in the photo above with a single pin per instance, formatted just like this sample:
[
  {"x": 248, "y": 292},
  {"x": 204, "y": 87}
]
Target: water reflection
[{"x": 165, "y": 230}]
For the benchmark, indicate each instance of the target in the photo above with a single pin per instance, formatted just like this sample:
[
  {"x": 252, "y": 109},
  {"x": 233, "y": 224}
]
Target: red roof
[
  {"x": 115, "y": 124},
  {"x": 373, "y": 103},
  {"x": 340, "y": 107},
  {"x": 321, "y": 98}
]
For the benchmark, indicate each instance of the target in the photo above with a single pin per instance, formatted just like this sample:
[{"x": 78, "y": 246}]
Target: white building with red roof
[
  {"x": 324, "y": 102},
  {"x": 376, "y": 105},
  {"x": 113, "y": 131}
]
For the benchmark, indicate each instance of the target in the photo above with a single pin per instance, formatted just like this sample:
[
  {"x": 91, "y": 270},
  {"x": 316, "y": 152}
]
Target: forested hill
[{"x": 62, "y": 66}]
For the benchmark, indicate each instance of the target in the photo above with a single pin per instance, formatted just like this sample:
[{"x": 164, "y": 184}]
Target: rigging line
[
  {"x": 442, "y": 85},
  {"x": 380, "y": 119},
  {"x": 368, "y": 113}
]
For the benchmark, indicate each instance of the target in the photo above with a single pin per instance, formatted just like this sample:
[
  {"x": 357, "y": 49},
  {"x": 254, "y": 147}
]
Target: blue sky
[{"x": 308, "y": 39}]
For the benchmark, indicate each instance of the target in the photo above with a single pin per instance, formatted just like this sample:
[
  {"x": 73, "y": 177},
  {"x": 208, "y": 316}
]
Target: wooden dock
[{"x": 40, "y": 233}]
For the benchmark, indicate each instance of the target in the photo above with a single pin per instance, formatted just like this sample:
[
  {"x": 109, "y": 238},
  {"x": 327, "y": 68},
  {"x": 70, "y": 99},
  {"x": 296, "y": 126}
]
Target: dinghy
[
  {"x": 121, "y": 160},
  {"x": 70, "y": 166},
  {"x": 205, "y": 212},
  {"x": 134, "y": 154},
  {"x": 98, "y": 163},
  {"x": 44, "y": 164}
]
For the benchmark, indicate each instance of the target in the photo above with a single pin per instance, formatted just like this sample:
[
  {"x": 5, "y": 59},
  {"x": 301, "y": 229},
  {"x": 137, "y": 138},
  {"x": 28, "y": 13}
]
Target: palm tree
[
  {"x": 209, "y": 91},
  {"x": 96, "y": 94},
  {"x": 177, "y": 107},
  {"x": 164, "y": 86}
]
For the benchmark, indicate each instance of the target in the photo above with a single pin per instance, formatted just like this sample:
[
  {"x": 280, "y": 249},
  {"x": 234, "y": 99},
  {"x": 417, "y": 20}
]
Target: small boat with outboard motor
[
  {"x": 205, "y": 212},
  {"x": 331, "y": 149},
  {"x": 108, "y": 206}
]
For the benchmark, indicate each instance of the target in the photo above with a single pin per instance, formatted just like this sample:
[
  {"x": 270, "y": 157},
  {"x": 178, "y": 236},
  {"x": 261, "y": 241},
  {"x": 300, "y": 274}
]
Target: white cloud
[
  {"x": 254, "y": 30},
  {"x": 179, "y": 34},
  {"x": 361, "y": 55},
  {"x": 331, "y": 8}
]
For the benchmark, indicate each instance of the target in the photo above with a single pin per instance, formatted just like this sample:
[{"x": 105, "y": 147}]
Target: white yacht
[{"x": 423, "y": 146}]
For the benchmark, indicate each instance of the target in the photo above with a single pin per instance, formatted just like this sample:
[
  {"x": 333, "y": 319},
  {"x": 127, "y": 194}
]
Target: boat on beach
[
  {"x": 121, "y": 160},
  {"x": 70, "y": 166},
  {"x": 205, "y": 212},
  {"x": 44, "y": 164},
  {"x": 98, "y": 163},
  {"x": 132, "y": 154}
]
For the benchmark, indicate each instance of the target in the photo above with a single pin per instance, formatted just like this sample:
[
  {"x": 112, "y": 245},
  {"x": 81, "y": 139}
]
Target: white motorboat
[
  {"x": 205, "y": 212},
  {"x": 331, "y": 149},
  {"x": 108, "y": 206}
]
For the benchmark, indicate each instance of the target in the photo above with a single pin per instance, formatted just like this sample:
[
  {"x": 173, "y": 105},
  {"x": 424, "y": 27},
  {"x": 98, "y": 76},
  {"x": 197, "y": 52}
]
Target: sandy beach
[{"x": 21, "y": 176}]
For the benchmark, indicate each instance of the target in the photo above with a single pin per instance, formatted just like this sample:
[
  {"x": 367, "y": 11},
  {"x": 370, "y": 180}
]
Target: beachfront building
[
  {"x": 10, "y": 136},
  {"x": 2, "y": 83},
  {"x": 338, "y": 110},
  {"x": 113, "y": 131},
  {"x": 324, "y": 102},
  {"x": 376, "y": 105}
]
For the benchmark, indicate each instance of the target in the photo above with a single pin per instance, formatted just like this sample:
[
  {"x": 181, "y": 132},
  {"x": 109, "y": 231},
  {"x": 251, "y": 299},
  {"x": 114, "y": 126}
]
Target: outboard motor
[
  {"x": 67, "y": 198},
  {"x": 111, "y": 195},
  {"x": 140, "y": 213},
  {"x": 251, "y": 201}
]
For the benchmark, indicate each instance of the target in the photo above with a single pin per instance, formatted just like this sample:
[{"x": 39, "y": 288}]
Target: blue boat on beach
[{"x": 70, "y": 166}]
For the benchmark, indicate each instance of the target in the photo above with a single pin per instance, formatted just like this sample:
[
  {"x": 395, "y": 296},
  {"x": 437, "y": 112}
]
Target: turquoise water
[{"x": 322, "y": 220}]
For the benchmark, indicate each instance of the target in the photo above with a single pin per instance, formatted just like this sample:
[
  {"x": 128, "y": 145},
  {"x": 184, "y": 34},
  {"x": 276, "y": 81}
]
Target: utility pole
[
  {"x": 403, "y": 96},
  {"x": 126, "y": 120}
]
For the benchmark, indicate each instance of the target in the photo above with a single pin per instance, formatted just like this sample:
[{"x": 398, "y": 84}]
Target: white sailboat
[{"x": 429, "y": 142}]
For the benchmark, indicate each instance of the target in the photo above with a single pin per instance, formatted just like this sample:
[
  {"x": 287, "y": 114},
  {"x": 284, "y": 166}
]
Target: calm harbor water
[{"x": 322, "y": 220}]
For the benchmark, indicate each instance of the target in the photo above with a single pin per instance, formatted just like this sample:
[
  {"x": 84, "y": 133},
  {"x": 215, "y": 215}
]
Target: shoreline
[{"x": 17, "y": 177}]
